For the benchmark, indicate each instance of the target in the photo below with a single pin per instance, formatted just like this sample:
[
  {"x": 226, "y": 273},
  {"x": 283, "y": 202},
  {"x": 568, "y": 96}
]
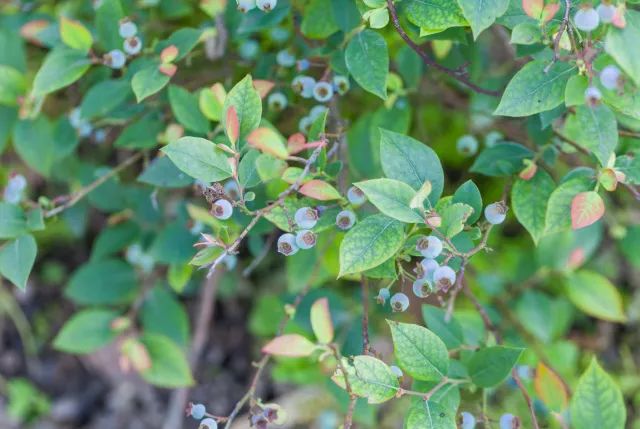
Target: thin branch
[
  {"x": 556, "y": 42},
  {"x": 364, "y": 287},
  {"x": 459, "y": 75}
]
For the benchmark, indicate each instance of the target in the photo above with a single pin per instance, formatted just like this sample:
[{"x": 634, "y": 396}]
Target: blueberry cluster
[
  {"x": 245, "y": 6},
  {"x": 305, "y": 218},
  {"x": 322, "y": 91},
  {"x": 268, "y": 413},
  {"x": 198, "y": 412},
  {"x": 14, "y": 191},
  {"x": 587, "y": 18},
  {"x": 507, "y": 421},
  {"x": 305, "y": 123}
]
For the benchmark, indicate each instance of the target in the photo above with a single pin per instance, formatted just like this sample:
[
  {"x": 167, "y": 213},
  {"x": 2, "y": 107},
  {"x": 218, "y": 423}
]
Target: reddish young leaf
[
  {"x": 608, "y": 179},
  {"x": 550, "y": 388},
  {"x": 319, "y": 190},
  {"x": 169, "y": 54},
  {"x": 290, "y": 345},
  {"x": 31, "y": 29},
  {"x": 321, "y": 321},
  {"x": 295, "y": 143},
  {"x": 263, "y": 87},
  {"x": 618, "y": 18},
  {"x": 586, "y": 208},
  {"x": 576, "y": 258},
  {"x": 219, "y": 92},
  {"x": 533, "y": 8},
  {"x": 549, "y": 12},
  {"x": 529, "y": 171},
  {"x": 168, "y": 69},
  {"x": 233, "y": 125},
  {"x": 268, "y": 141}
]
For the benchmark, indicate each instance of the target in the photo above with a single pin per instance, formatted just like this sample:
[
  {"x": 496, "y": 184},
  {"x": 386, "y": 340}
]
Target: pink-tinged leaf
[
  {"x": 219, "y": 92},
  {"x": 586, "y": 208},
  {"x": 263, "y": 87},
  {"x": 576, "y": 258},
  {"x": 529, "y": 171},
  {"x": 31, "y": 29},
  {"x": 533, "y": 8},
  {"x": 295, "y": 143},
  {"x": 608, "y": 179},
  {"x": 549, "y": 12},
  {"x": 319, "y": 190},
  {"x": 168, "y": 69},
  {"x": 268, "y": 141},
  {"x": 169, "y": 54},
  {"x": 291, "y": 174},
  {"x": 618, "y": 18},
  {"x": 233, "y": 125},
  {"x": 321, "y": 321},
  {"x": 290, "y": 345}
]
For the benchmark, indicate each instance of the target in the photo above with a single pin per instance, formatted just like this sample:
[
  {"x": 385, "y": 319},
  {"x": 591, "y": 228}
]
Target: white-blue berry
[
  {"x": 85, "y": 129},
  {"x": 429, "y": 266},
  {"x": 127, "y": 29},
  {"x": 287, "y": 244},
  {"x": 509, "y": 421},
  {"x": 341, "y": 84},
  {"x": 610, "y": 77},
  {"x": 586, "y": 19},
  {"x": 467, "y": 145},
  {"x": 444, "y": 277},
  {"x": 277, "y": 101},
  {"x": 322, "y": 91},
  {"x": 14, "y": 190},
  {"x": 208, "y": 423},
  {"x": 467, "y": 420},
  {"x": 245, "y": 6},
  {"x": 303, "y": 64},
  {"x": 524, "y": 372},
  {"x": 279, "y": 34},
  {"x": 356, "y": 196},
  {"x": 492, "y": 138},
  {"x": 396, "y": 371},
  {"x": 422, "y": 288},
  {"x": 285, "y": 58},
  {"x": 100, "y": 136},
  {"x": 222, "y": 209},
  {"x": 132, "y": 45},
  {"x": 317, "y": 110},
  {"x": 592, "y": 95},
  {"x": 383, "y": 295},
  {"x": 306, "y": 217},
  {"x": 345, "y": 219},
  {"x": 303, "y": 85},
  {"x": 606, "y": 12},
  {"x": 305, "y": 239},
  {"x": 266, "y": 5},
  {"x": 198, "y": 411},
  {"x": 399, "y": 302},
  {"x": 304, "y": 125},
  {"x": 231, "y": 189},
  {"x": 249, "y": 49},
  {"x": 230, "y": 262},
  {"x": 429, "y": 247},
  {"x": 74, "y": 118},
  {"x": 495, "y": 213},
  {"x": 115, "y": 59}
]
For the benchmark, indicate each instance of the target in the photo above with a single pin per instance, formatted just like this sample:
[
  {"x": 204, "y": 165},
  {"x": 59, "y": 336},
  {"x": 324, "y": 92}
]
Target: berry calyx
[
  {"x": 341, "y": 84},
  {"x": 266, "y": 5},
  {"x": 422, "y": 288},
  {"x": 467, "y": 420},
  {"x": 208, "y": 423},
  {"x": 277, "y": 101},
  {"x": 132, "y": 45},
  {"x": 245, "y": 6},
  {"x": 322, "y": 91}
]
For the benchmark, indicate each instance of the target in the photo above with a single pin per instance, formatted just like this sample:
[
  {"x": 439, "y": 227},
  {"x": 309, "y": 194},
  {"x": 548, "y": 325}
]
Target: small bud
[
  {"x": 433, "y": 219},
  {"x": 383, "y": 296},
  {"x": 529, "y": 171},
  {"x": 169, "y": 54}
]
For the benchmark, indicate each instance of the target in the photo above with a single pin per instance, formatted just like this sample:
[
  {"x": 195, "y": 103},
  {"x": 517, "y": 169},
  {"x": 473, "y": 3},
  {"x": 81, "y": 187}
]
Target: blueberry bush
[{"x": 413, "y": 214}]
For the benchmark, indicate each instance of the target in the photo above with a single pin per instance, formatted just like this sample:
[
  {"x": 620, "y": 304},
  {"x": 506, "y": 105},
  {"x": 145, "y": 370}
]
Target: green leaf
[
  {"x": 61, "y": 67},
  {"x": 321, "y": 321},
  {"x": 34, "y": 142},
  {"x": 430, "y": 415},
  {"x": 185, "y": 39},
  {"x": 75, "y": 35},
  {"x": 246, "y": 100},
  {"x": 595, "y": 295},
  {"x": 503, "y": 159},
  {"x": 369, "y": 243},
  {"x": 148, "y": 81},
  {"x": 13, "y": 221},
  {"x": 527, "y": 33},
  {"x": 318, "y": 20},
  {"x": 408, "y": 160},
  {"x": 247, "y": 173},
  {"x": 597, "y": 401},
  {"x": 12, "y": 85},
  {"x": 17, "y": 258},
  {"x": 490, "y": 366},
  {"x": 481, "y": 14},
  {"x": 454, "y": 217},
  {"x": 161, "y": 313},
  {"x": 199, "y": 158},
  {"x": 367, "y": 58},
  {"x": 392, "y": 198},
  {"x": 435, "y": 16},
  {"x": 108, "y": 15},
  {"x": 103, "y": 97},
  {"x": 450, "y": 332},
  {"x": 419, "y": 352},
  {"x": 586, "y": 209},
  {"x": 163, "y": 173},
  {"x": 169, "y": 366},
  {"x": 594, "y": 128},
  {"x": 574, "y": 91},
  {"x": 533, "y": 91},
  {"x": 289, "y": 345},
  {"x": 558, "y": 216},
  {"x": 529, "y": 199},
  {"x": 369, "y": 378},
  {"x": 619, "y": 41},
  {"x": 141, "y": 133},
  {"x": 184, "y": 106},
  {"x": 107, "y": 281},
  {"x": 469, "y": 194},
  {"x": 113, "y": 239},
  {"x": 87, "y": 331}
]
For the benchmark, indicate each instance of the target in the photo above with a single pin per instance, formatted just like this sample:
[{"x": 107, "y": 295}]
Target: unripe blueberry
[
  {"x": 606, "y": 12},
  {"x": 422, "y": 288},
  {"x": 14, "y": 189},
  {"x": 399, "y": 302},
  {"x": 303, "y": 64},
  {"x": 495, "y": 213},
  {"x": 316, "y": 111},
  {"x": 115, "y": 59},
  {"x": 230, "y": 262},
  {"x": 277, "y": 101},
  {"x": 610, "y": 77},
  {"x": 127, "y": 28},
  {"x": 428, "y": 267},
  {"x": 74, "y": 118},
  {"x": 467, "y": 145},
  {"x": 356, "y": 196},
  {"x": 305, "y": 239},
  {"x": 266, "y": 5},
  {"x": 429, "y": 247},
  {"x": 208, "y": 423},
  {"x": 524, "y": 372},
  {"x": 198, "y": 411},
  {"x": 444, "y": 277},
  {"x": 383, "y": 295},
  {"x": 245, "y": 6},
  {"x": 586, "y": 19},
  {"x": 279, "y": 34},
  {"x": 592, "y": 95},
  {"x": 322, "y": 91},
  {"x": 100, "y": 136},
  {"x": 492, "y": 138},
  {"x": 85, "y": 129},
  {"x": 231, "y": 189},
  {"x": 222, "y": 209},
  {"x": 274, "y": 413},
  {"x": 509, "y": 421},
  {"x": 396, "y": 371},
  {"x": 341, "y": 84},
  {"x": 303, "y": 85},
  {"x": 132, "y": 45},
  {"x": 305, "y": 124},
  {"x": 306, "y": 217},
  {"x": 345, "y": 219},
  {"x": 249, "y": 49},
  {"x": 284, "y": 58},
  {"x": 287, "y": 244},
  {"x": 467, "y": 420}
]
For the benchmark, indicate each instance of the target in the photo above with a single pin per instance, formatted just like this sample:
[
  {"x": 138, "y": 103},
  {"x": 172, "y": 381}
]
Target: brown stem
[
  {"x": 364, "y": 287},
  {"x": 561, "y": 30}
]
